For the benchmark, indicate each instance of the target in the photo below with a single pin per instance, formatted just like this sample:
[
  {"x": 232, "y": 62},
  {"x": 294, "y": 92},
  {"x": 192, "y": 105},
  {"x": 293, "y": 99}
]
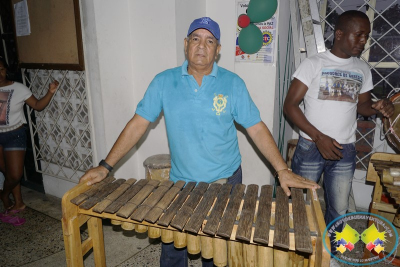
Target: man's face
[
  {"x": 201, "y": 48},
  {"x": 352, "y": 40}
]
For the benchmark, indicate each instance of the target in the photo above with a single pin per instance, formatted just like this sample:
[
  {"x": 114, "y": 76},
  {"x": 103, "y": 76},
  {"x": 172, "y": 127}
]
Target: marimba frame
[{"x": 74, "y": 217}]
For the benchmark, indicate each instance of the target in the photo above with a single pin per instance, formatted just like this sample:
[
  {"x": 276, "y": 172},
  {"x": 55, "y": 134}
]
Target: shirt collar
[{"x": 213, "y": 72}]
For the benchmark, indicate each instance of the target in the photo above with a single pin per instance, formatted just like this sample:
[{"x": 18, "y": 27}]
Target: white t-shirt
[
  {"x": 12, "y": 100},
  {"x": 334, "y": 84}
]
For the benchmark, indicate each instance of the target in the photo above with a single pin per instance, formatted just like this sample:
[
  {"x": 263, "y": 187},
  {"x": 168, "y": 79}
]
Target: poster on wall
[{"x": 268, "y": 29}]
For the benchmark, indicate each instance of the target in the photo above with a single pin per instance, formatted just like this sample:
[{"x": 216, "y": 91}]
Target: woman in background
[{"x": 13, "y": 96}]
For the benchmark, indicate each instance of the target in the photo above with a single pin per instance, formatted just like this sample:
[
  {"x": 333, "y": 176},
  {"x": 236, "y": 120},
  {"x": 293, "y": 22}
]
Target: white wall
[
  {"x": 260, "y": 81},
  {"x": 128, "y": 43},
  {"x": 138, "y": 39}
]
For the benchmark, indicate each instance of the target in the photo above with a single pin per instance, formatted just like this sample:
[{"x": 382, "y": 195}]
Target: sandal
[
  {"x": 11, "y": 212},
  {"x": 4, "y": 217},
  {"x": 16, "y": 221}
]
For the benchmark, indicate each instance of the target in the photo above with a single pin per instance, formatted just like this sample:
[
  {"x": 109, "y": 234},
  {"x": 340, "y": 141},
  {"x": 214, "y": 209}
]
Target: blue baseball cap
[{"x": 205, "y": 23}]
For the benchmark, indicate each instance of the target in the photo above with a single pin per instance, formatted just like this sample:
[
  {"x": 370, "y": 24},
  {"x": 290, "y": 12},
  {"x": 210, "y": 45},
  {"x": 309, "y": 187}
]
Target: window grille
[
  {"x": 63, "y": 128},
  {"x": 382, "y": 54}
]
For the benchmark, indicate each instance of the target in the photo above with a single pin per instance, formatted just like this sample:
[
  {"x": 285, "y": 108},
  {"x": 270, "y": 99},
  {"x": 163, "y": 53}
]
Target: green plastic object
[
  {"x": 261, "y": 10},
  {"x": 250, "y": 39}
]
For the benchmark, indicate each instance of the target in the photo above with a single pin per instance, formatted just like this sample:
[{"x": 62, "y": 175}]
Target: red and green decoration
[{"x": 250, "y": 37}]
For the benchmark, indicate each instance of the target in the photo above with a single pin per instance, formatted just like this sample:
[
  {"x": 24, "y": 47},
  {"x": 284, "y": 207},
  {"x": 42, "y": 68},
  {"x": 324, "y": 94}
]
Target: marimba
[
  {"x": 232, "y": 225},
  {"x": 384, "y": 172}
]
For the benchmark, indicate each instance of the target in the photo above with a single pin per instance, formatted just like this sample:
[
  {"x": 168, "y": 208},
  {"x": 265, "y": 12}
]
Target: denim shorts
[{"x": 14, "y": 140}]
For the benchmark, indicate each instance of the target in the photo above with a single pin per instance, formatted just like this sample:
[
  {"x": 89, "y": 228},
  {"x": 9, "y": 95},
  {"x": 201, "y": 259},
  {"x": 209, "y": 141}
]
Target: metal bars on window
[{"x": 64, "y": 148}]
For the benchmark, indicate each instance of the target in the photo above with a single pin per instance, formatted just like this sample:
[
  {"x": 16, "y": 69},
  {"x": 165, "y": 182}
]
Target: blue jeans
[
  {"x": 172, "y": 257},
  {"x": 338, "y": 175}
]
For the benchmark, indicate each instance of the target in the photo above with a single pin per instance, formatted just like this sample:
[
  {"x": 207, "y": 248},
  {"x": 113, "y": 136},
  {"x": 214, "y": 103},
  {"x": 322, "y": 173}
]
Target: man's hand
[
  {"x": 289, "y": 179},
  {"x": 94, "y": 175},
  {"x": 328, "y": 147},
  {"x": 384, "y": 106}
]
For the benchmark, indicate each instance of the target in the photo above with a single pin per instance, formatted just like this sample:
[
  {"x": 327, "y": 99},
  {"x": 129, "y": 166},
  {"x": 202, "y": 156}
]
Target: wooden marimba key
[{"x": 233, "y": 226}]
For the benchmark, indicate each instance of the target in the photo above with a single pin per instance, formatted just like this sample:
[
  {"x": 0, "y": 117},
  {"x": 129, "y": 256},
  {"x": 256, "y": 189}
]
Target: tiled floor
[{"x": 123, "y": 248}]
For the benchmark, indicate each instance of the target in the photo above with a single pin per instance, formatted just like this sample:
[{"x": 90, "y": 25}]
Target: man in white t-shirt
[{"x": 328, "y": 124}]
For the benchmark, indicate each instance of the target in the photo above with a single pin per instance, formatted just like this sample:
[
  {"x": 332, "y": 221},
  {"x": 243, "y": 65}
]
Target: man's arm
[
  {"x": 366, "y": 107},
  {"x": 264, "y": 141},
  {"x": 327, "y": 146},
  {"x": 131, "y": 134}
]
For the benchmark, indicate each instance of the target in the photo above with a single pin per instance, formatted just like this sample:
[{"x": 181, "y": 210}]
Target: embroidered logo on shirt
[{"x": 219, "y": 103}]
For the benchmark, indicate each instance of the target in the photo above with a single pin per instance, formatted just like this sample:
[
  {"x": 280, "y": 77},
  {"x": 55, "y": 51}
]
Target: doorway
[{"x": 8, "y": 50}]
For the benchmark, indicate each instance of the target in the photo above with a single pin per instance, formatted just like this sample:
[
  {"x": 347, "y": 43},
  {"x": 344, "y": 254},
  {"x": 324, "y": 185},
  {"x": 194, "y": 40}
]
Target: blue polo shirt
[{"x": 200, "y": 120}]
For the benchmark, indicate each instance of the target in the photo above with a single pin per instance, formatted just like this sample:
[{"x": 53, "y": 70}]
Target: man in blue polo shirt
[{"x": 201, "y": 102}]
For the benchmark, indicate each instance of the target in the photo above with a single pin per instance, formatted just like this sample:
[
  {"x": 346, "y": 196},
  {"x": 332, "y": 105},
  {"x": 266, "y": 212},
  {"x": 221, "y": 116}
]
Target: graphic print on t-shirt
[
  {"x": 5, "y": 99},
  {"x": 340, "y": 85}
]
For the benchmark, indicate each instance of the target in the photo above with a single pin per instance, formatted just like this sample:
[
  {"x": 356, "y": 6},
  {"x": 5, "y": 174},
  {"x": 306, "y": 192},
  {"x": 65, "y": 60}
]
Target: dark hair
[
  {"x": 346, "y": 18},
  {"x": 3, "y": 61}
]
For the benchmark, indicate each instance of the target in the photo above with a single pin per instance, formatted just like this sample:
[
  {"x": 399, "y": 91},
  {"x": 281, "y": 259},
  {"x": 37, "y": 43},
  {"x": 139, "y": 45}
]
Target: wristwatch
[{"x": 105, "y": 165}]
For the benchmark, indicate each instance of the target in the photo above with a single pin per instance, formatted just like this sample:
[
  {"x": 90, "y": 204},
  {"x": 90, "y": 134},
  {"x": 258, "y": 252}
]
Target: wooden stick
[
  {"x": 130, "y": 193},
  {"x": 100, "y": 207},
  {"x": 92, "y": 191},
  {"x": 154, "y": 232},
  {"x": 218, "y": 210},
  {"x": 127, "y": 226},
  {"x": 220, "y": 254},
  {"x": 281, "y": 233},
  {"x": 183, "y": 215},
  {"x": 167, "y": 236},
  {"x": 193, "y": 244},
  {"x": 206, "y": 247},
  {"x": 265, "y": 256},
  {"x": 179, "y": 239},
  {"x": 301, "y": 229},
  {"x": 197, "y": 218},
  {"x": 247, "y": 215},
  {"x": 140, "y": 228},
  {"x": 235, "y": 253},
  {"x": 116, "y": 222},
  {"x": 250, "y": 255},
  {"x": 261, "y": 234},
  {"x": 281, "y": 257}
]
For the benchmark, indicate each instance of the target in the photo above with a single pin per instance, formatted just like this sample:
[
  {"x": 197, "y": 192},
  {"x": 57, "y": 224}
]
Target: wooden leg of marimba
[
  {"x": 220, "y": 252},
  {"x": 71, "y": 227},
  {"x": 250, "y": 255},
  {"x": 206, "y": 247},
  {"x": 265, "y": 256},
  {"x": 235, "y": 254},
  {"x": 193, "y": 244},
  {"x": 281, "y": 258},
  {"x": 167, "y": 236},
  {"x": 179, "y": 239},
  {"x": 95, "y": 228},
  {"x": 154, "y": 232},
  {"x": 73, "y": 243}
]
